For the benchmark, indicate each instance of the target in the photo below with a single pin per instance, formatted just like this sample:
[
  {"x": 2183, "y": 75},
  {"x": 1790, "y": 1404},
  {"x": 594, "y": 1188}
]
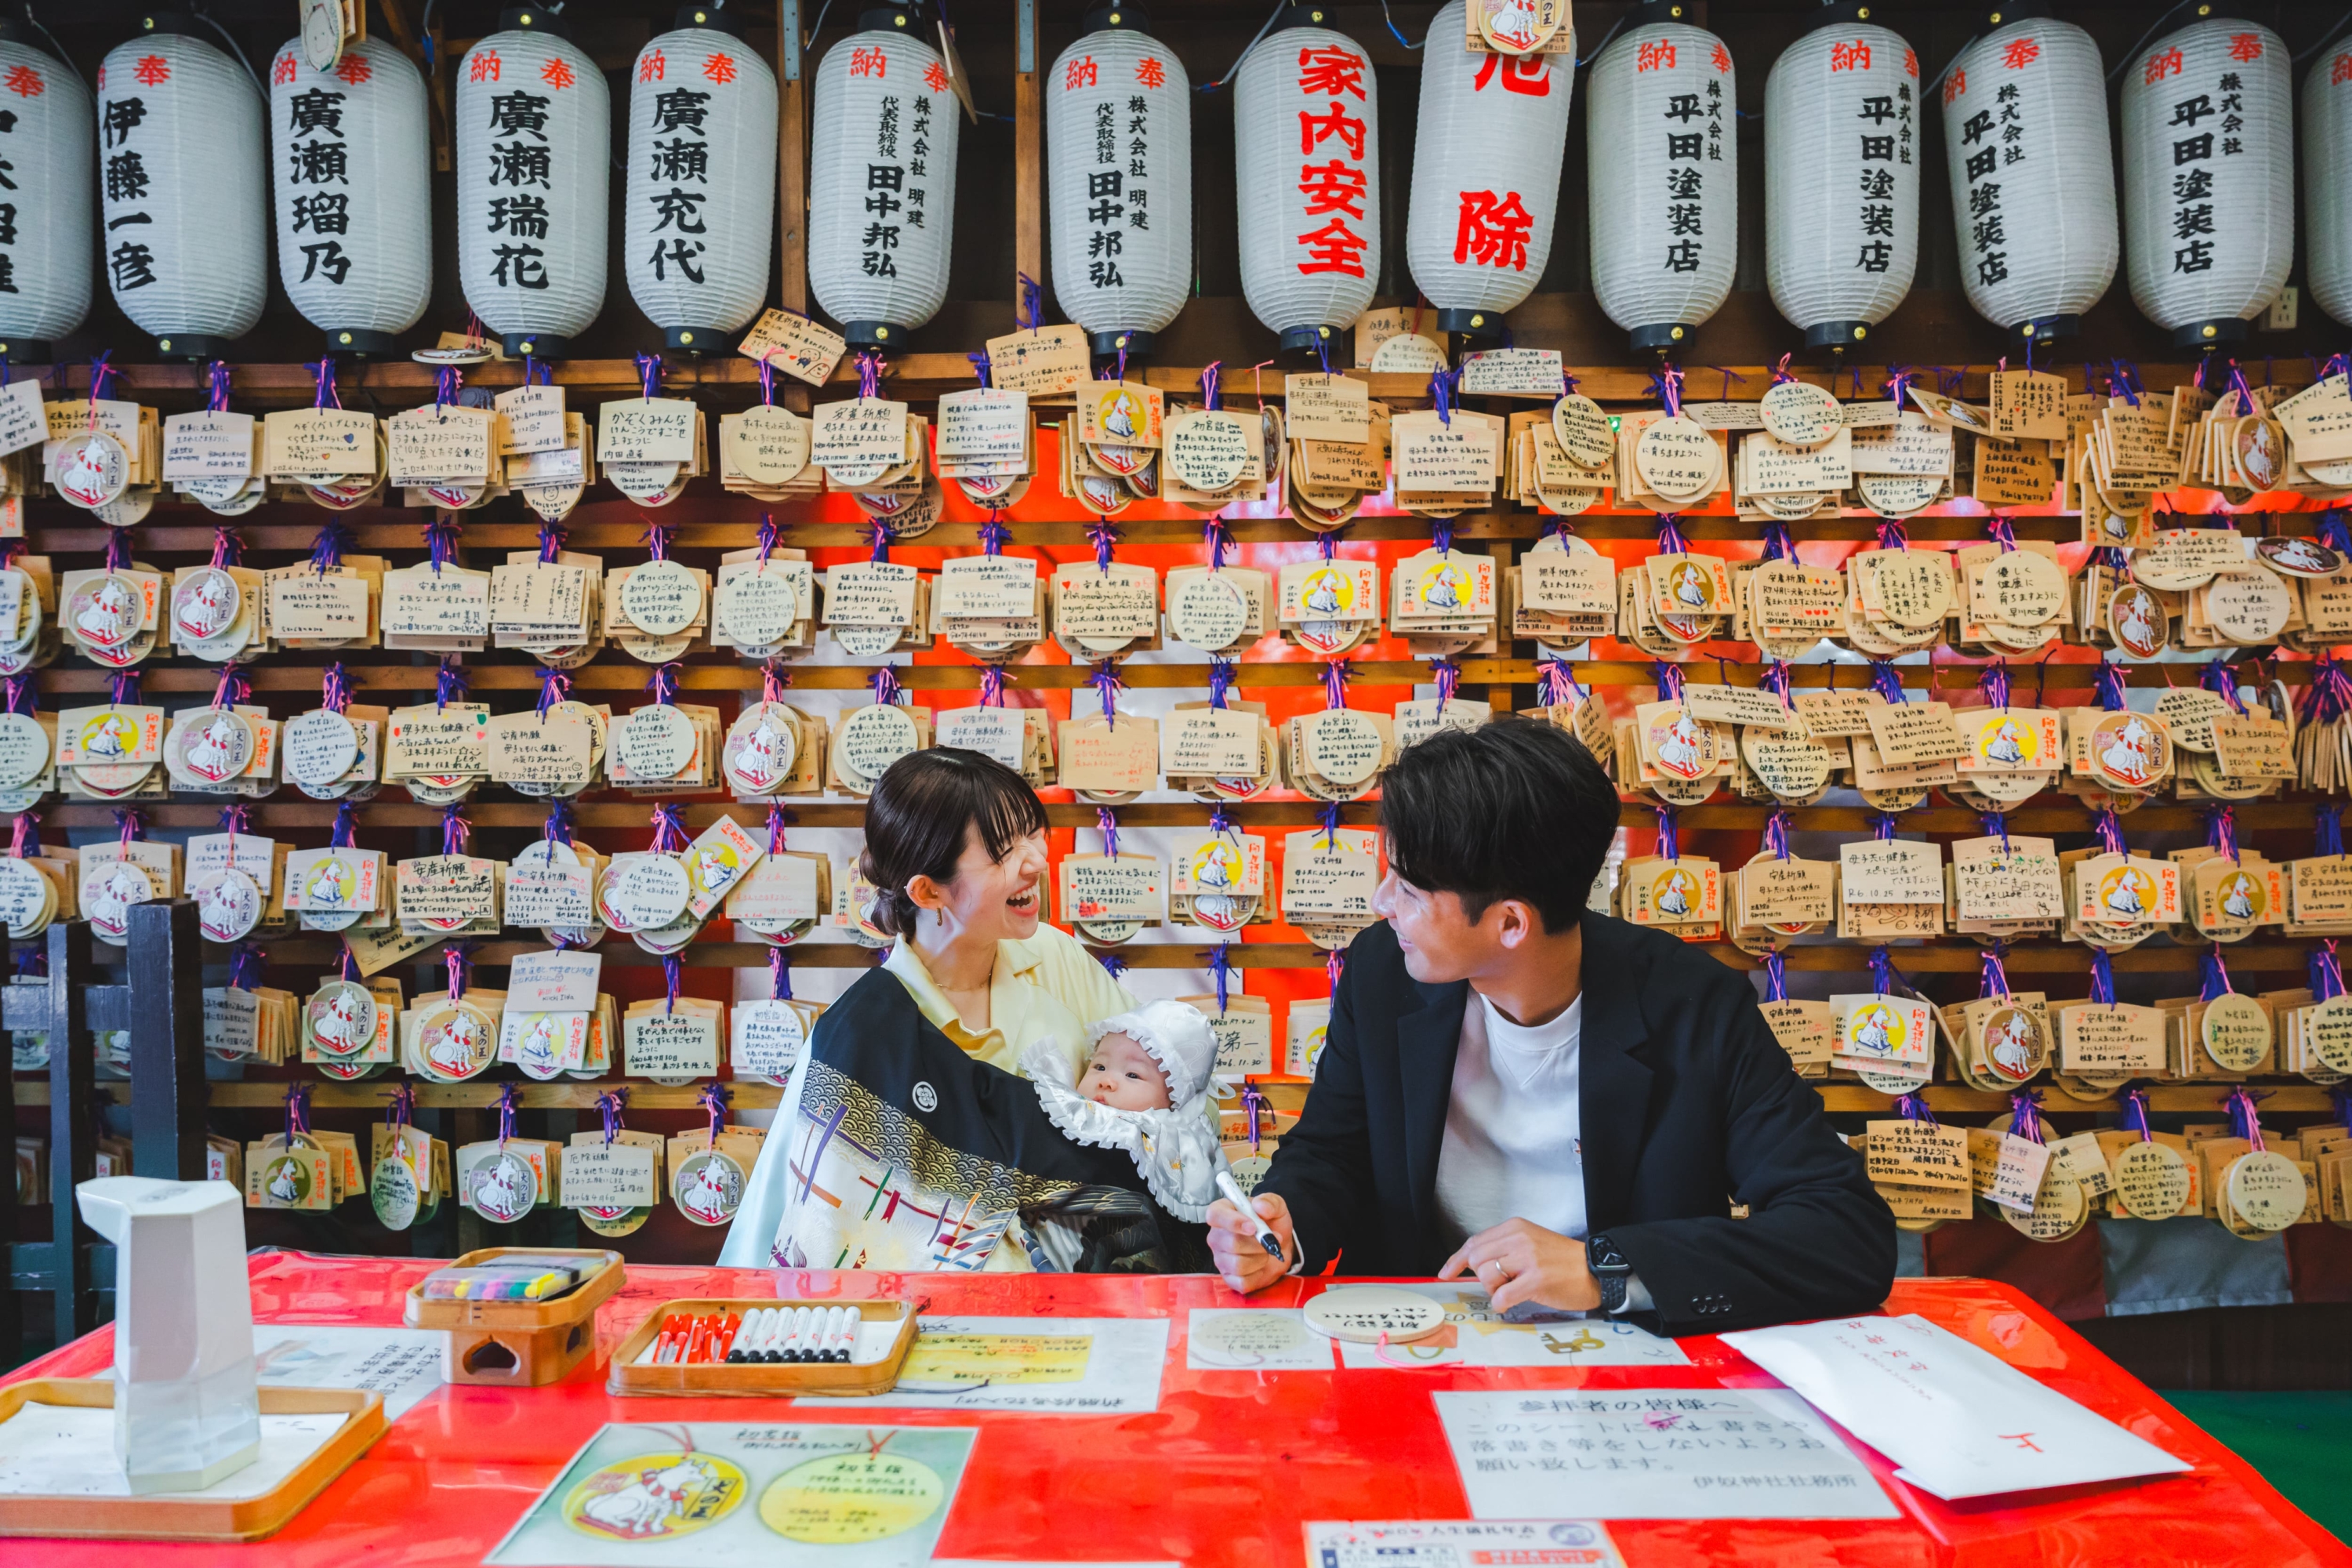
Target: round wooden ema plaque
[
  {"x": 1367, "y": 1314},
  {"x": 2265, "y": 1189},
  {"x": 1800, "y": 414},
  {"x": 2152, "y": 1181},
  {"x": 2059, "y": 1210},
  {"x": 2236, "y": 1032},
  {"x": 2327, "y": 1030},
  {"x": 1583, "y": 430}
]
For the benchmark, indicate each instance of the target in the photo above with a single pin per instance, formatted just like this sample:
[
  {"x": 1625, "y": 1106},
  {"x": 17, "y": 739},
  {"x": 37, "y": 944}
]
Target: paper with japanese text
[{"x": 1075, "y": 1366}]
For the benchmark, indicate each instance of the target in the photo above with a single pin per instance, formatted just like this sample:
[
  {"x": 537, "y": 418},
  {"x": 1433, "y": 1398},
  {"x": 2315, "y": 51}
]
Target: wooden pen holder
[
  {"x": 517, "y": 1344},
  {"x": 762, "y": 1379}
]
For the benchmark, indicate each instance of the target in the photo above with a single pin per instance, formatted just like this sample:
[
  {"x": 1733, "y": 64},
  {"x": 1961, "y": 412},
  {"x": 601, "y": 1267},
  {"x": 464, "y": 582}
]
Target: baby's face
[{"x": 1124, "y": 1076}]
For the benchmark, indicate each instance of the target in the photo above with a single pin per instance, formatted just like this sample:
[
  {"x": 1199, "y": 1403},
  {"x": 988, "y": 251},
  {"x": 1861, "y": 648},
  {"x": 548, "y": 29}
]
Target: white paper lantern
[
  {"x": 2209, "y": 178},
  {"x": 1842, "y": 180},
  {"x": 700, "y": 228},
  {"x": 183, "y": 177},
  {"x": 351, "y": 160},
  {"x": 2326, "y": 193},
  {"x": 48, "y": 152},
  {"x": 2034, "y": 181},
  {"x": 534, "y": 172},
  {"x": 1662, "y": 142},
  {"x": 1118, "y": 151},
  {"x": 882, "y": 168},
  {"x": 1487, "y": 152},
  {"x": 1306, "y": 174}
]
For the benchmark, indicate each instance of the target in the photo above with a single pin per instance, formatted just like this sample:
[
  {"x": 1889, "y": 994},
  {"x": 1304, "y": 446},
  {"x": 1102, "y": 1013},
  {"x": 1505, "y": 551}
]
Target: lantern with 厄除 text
[
  {"x": 185, "y": 186},
  {"x": 882, "y": 167},
  {"x": 1487, "y": 147},
  {"x": 1119, "y": 154},
  {"x": 1307, "y": 156},
  {"x": 534, "y": 184}
]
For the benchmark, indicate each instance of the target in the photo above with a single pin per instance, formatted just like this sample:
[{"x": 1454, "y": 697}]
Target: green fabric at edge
[{"x": 2300, "y": 1441}]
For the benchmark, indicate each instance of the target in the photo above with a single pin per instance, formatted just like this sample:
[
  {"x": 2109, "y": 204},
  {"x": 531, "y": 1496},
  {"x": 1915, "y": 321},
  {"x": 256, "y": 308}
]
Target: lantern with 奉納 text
[
  {"x": 534, "y": 183},
  {"x": 48, "y": 140},
  {"x": 1663, "y": 177},
  {"x": 1487, "y": 146},
  {"x": 1119, "y": 154},
  {"x": 352, "y": 176},
  {"x": 1841, "y": 161},
  {"x": 2032, "y": 177},
  {"x": 1307, "y": 156},
  {"x": 185, "y": 188},
  {"x": 699, "y": 225},
  {"x": 2326, "y": 194},
  {"x": 2209, "y": 178},
  {"x": 882, "y": 168}
]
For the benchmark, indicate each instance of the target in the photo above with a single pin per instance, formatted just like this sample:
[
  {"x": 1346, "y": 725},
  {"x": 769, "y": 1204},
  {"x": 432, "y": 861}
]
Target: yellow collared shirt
[{"x": 1048, "y": 987}]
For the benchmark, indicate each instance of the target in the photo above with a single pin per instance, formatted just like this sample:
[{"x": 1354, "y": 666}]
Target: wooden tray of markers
[
  {"x": 190, "y": 1516},
  {"x": 761, "y": 1378}
]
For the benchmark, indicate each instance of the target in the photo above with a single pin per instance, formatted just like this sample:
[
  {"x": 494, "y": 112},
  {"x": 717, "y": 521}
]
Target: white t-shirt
[{"x": 1511, "y": 1149}]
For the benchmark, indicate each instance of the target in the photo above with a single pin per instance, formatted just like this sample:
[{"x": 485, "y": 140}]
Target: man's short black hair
[{"x": 1513, "y": 809}]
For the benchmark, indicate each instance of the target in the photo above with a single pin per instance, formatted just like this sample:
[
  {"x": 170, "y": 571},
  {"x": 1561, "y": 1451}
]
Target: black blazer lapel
[
  {"x": 1427, "y": 1039},
  {"x": 1612, "y": 1081}
]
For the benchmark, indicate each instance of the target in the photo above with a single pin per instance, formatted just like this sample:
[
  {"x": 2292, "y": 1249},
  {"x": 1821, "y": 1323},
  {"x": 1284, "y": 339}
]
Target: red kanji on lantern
[
  {"x": 1334, "y": 247},
  {"x": 1655, "y": 56},
  {"x": 1314, "y": 128},
  {"x": 1955, "y": 85},
  {"x": 1527, "y": 75},
  {"x": 25, "y": 81},
  {"x": 153, "y": 70},
  {"x": 2245, "y": 45},
  {"x": 935, "y": 76},
  {"x": 868, "y": 62},
  {"x": 719, "y": 69},
  {"x": 1150, "y": 72},
  {"x": 2339, "y": 70},
  {"x": 282, "y": 68},
  {"x": 485, "y": 67},
  {"x": 1493, "y": 232},
  {"x": 654, "y": 66},
  {"x": 1852, "y": 56},
  {"x": 1079, "y": 73},
  {"x": 1332, "y": 187},
  {"x": 1329, "y": 72},
  {"x": 556, "y": 74},
  {"x": 1720, "y": 58},
  {"x": 2160, "y": 66},
  {"x": 1911, "y": 64},
  {"x": 2019, "y": 53},
  {"x": 354, "y": 70}
]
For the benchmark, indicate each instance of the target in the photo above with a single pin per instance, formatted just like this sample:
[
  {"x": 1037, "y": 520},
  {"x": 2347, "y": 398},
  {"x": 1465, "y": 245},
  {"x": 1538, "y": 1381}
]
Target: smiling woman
[{"x": 909, "y": 1141}]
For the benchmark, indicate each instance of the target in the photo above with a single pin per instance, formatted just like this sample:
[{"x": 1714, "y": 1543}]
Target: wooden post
[
  {"x": 1028, "y": 157},
  {"x": 791, "y": 173},
  {"x": 167, "y": 1043},
  {"x": 73, "y": 1134}
]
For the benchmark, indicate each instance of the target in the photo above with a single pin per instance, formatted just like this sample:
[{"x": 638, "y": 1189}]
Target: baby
[{"x": 1145, "y": 1088}]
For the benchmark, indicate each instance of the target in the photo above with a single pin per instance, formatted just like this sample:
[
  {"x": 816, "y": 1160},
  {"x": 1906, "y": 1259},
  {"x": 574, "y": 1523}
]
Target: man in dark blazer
[{"x": 1560, "y": 1104}]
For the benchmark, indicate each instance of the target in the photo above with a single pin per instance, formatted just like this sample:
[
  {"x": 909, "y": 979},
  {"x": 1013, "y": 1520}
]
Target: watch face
[{"x": 1602, "y": 1253}]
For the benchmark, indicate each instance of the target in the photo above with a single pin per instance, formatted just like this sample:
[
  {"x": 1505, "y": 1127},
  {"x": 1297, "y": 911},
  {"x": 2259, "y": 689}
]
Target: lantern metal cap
[
  {"x": 709, "y": 18},
  {"x": 1471, "y": 323},
  {"x": 1303, "y": 340},
  {"x": 2001, "y": 16},
  {"x": 2045, "y": 329},
  {"x": 698, "y": 340},
  {"x": 1837, "y": 334},
  {"x": 892, "y": 16},
  {"x": 1135, "y": 345},
  {"x": 882, "y": 337},
  {"x": 189, "y": 346},
  {"x": 1106, "y": 18},
  {"x": 359, "y": 342},
  {"x": 1662, "y": 338},
  {"x": 1303, "y": 14},
  {"x": 1840, "y": 13},
  {"x": 537, "y": 345},
  {"x": 174, "y": 22},
  {"x": 1650, "y": 13},
  {"x": 532, "y": 19},
  {"x": 2211, "y": 334}
]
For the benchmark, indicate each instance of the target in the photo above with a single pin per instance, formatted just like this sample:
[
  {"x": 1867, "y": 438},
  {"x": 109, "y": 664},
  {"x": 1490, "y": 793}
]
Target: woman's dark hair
[
  {"x": 1513, "y": 809},
  {"x": 924, "y": 808}
]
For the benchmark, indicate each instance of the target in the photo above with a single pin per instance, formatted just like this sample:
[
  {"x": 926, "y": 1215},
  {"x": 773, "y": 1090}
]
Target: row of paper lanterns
[{"x": 167, "y": 179}]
